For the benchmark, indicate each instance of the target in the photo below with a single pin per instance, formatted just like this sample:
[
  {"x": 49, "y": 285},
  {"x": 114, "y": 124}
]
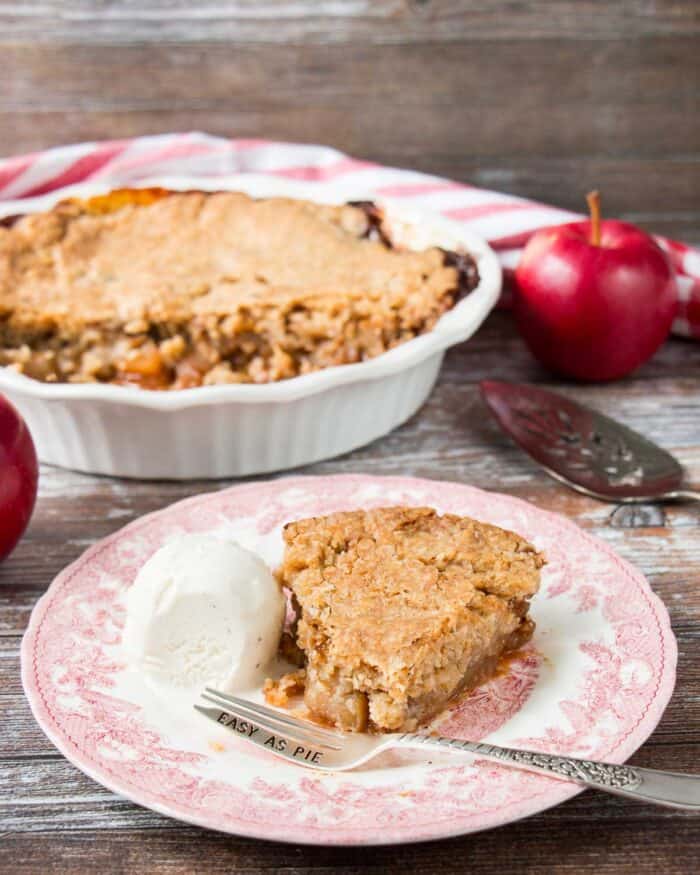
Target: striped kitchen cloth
[{"x": 505, "y": 221}]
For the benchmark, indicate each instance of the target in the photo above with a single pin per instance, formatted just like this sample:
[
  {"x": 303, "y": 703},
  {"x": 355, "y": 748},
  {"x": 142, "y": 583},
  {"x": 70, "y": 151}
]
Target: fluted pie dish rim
[{"x": 454, "y": 326}]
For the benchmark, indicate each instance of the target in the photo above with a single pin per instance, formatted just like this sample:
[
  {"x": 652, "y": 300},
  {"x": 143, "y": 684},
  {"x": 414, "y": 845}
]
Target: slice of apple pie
[{"x": 400, "y": 609}]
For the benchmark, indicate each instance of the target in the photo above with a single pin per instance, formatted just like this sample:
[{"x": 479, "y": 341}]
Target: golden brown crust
[
  {"x": 281, "y": 692},
  {"x": 167, "y": 289},
  {"x": 401, "y": 608}
]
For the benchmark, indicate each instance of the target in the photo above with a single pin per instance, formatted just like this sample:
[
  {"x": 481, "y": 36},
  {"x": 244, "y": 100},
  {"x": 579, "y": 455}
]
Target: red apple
[
  {"x": 19, "y": 474},
  {"x": 594, "y": 300}
]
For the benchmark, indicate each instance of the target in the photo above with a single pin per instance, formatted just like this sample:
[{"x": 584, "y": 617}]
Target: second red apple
[{"x": 594, "y": 300}]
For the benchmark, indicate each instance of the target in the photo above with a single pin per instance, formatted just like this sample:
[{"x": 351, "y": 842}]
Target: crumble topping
[
  {"x": 279, "y": 693},
  {"x": 401, "y": 608},
  {"x": 177, "y": 289}
]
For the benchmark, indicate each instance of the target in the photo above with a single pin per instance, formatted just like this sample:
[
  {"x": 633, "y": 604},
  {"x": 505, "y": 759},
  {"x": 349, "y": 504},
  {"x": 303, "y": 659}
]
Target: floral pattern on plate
[{"x": 594, "y": 681}]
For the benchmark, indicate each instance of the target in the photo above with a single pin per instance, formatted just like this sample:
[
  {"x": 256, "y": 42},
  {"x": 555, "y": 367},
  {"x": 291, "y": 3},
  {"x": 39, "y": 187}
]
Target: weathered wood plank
[
  {"x": 541, "y": 111},
  {"x": 16, "y": 603},
  {"x": 359, "y": 97},
  {"x": 541, "y": 848},
  {"x": 543, "y": 99},
  {"x": 376, "y": 21},
  {"x": 498, "y": 352},
  {"x": 551, "y": 842}
]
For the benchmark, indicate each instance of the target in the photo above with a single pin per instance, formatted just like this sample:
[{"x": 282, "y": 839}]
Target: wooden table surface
[
  {"x": 545, "y": 100},
  {"x": 54, "y": 819},
  {"x": 542, "y": 99}
]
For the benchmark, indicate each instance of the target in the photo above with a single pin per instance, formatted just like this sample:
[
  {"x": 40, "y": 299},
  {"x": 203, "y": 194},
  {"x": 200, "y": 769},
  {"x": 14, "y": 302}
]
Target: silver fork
[{"x": 307, "y": 744}]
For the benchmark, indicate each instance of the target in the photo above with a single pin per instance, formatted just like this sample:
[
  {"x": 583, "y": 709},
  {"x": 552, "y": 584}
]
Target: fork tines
[{"x": 273, "y": 721}]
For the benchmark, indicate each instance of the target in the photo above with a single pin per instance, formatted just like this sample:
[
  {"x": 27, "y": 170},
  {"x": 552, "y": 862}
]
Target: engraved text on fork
[{"x": 274, "y": 742}]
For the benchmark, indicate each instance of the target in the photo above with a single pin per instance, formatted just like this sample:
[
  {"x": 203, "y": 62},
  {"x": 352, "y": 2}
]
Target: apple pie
[
  {"x": 400, "y": 609},
  {"x": 170, "y": 290}
]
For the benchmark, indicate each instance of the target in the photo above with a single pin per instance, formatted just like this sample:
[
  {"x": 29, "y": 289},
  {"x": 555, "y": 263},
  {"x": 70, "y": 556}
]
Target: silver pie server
[{"x": 587, "y": 451}]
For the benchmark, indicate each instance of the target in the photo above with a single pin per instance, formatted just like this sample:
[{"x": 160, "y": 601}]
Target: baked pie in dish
[
  {"x": 166, "y": 289},
  {"x": 400, "y": 609}
]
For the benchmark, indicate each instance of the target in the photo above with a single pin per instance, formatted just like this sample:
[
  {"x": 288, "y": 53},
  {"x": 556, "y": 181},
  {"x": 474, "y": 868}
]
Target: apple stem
[{"x": 593, "y": 200}]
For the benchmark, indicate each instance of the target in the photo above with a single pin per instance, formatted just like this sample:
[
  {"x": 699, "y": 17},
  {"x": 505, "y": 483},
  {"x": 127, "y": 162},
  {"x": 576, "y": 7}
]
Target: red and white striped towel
[{"x": 505, "y": 221}]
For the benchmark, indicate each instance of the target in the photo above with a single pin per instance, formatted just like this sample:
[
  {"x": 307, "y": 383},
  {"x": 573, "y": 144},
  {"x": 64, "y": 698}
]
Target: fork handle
[
  {"x": 686, "y": 495},
  {"x": 671, "y": 789}
]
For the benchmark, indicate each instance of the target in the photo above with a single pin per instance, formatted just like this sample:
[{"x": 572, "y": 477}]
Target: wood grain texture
[
  {"x": 51, "y": 815},
  {"x": 339, "y": 21},
  {"x": 162, "y": 849},
  {"x": 464, "y": 99},
  {"x": 541, "y": 99},
  {"x": 544, "y": 100}
]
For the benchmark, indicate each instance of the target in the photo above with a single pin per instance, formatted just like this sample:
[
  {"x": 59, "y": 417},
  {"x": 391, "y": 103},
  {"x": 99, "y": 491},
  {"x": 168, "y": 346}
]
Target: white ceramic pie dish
[{"x": 236, "y": 430}]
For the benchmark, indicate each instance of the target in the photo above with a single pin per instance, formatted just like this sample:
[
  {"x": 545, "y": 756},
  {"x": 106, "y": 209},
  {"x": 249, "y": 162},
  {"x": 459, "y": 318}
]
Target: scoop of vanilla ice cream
[{"x": 203, "y": 611}]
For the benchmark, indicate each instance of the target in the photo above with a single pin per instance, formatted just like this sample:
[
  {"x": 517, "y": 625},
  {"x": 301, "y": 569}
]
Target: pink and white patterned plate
[{"x": 594, "y": 683}]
